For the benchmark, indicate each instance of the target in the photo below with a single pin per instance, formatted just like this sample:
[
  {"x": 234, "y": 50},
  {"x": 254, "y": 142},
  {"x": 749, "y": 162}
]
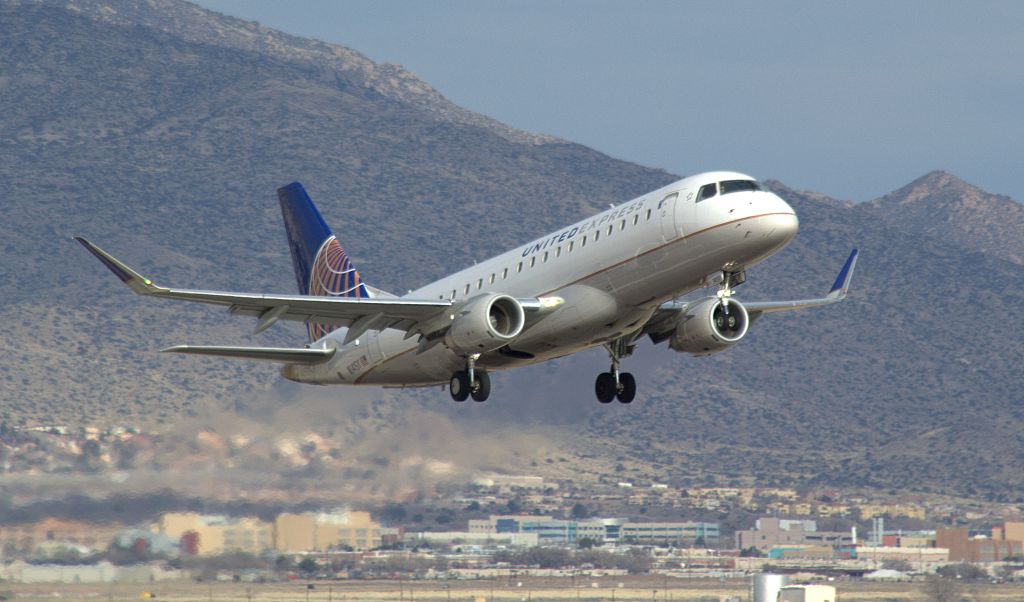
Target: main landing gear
[
  {"x": 615, "y": 384},
  {"x": 470, "y": 382}
]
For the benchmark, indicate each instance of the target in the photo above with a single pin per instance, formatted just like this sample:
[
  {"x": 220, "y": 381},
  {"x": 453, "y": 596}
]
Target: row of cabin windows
[{"x": 558, "y": 253}]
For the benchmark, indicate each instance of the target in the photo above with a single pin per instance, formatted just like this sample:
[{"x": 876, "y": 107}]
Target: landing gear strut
[
  {"x": 614, "y": 383},
  {"x": 470, "y": 382}
]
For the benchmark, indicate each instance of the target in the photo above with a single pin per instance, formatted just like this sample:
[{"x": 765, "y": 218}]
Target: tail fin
[{"x": 322, "y": 268}]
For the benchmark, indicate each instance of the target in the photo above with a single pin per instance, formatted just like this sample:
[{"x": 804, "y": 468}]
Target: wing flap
[{"x": 269, "y": 354}]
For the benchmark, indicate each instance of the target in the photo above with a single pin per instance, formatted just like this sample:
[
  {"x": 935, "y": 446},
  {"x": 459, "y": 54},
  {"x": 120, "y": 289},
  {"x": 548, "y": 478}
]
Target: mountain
[
  {"x": 161, "y": 131},
  {"x": 940, "y": 205}
]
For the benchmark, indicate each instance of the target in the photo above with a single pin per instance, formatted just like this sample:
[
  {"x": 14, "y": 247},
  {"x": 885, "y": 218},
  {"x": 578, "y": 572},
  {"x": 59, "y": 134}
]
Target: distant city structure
[
  {"x": 552, "y": 531},
  {"x": 771, "y": 533},
  {"x": 210, "y": 535}
]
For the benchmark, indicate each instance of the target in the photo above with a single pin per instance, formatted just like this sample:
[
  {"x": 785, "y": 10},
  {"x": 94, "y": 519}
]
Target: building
[
  {"x": 914, "y": 555},
  {"x": 869, "y": 511},
  {"x": 554, "y": 531},
  {"x": 963, "y": 548},
  {"x": 1008, "y": 532},
  {"x": 772, "y": 532},
  {"x": 524, "y": 540},
  {"x": 217, "y": 534},
  {"x": 320, "y": 532},
  {"x": 670, "y": 533},
  {"x": 25, "y": 538}
]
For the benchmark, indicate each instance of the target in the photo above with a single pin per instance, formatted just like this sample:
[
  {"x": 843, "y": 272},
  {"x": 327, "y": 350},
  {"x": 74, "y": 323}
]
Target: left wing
[
  {"x": 427, "y": 317},
  {"x": 664, "y": 320}
]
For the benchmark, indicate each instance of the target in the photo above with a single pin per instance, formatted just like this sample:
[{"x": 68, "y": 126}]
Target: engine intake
[
  {"x": 485, "y": 323},
  {"x": 708, "y": 328}
]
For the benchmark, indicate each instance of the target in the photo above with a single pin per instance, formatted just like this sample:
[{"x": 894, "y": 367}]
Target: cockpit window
[
  {"x": 707, "y": 191},
  {"x": 738, "y": 186}
]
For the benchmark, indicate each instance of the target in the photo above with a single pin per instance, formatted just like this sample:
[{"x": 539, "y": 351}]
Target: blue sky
[{"x": 850, "y": 99}]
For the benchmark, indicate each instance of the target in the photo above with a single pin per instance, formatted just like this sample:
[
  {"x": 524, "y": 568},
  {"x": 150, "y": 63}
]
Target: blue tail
[{"x": 322, "y": 268}]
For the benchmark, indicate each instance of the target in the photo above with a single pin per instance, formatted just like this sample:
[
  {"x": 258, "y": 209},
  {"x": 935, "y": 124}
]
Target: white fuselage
[{"x": 612, "y": 271}]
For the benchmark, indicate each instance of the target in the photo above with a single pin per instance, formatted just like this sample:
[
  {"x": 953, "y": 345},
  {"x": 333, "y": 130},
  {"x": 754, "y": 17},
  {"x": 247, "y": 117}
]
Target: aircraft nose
[{"x": 783, "y": 222}]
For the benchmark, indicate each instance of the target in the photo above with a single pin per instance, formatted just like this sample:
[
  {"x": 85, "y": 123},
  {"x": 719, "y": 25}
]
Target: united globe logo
[{"x": 333, "y": 275}]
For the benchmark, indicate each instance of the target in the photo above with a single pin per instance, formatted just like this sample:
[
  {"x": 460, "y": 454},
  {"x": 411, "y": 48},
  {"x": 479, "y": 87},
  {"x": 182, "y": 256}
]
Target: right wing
[
  {"x": 664, "y": 321},
  {"x": 427, "y": 317}
]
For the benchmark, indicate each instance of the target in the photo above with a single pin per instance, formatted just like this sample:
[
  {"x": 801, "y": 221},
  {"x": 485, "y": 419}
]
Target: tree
[
  {"x": 897, "y": 564},
  {"x": 585, "y": 543},
  {"x": 393, "y": 513},
  {"x": 308, "y": 566},
  {"x": 942, "y": 589},
  {"x": 963, "y": 570},
  {"x": 579, "y": 511}
]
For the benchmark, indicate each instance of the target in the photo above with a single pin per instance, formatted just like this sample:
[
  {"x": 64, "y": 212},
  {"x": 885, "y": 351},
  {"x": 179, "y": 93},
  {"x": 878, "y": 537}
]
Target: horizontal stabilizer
[{"x": 267, "y": 354}]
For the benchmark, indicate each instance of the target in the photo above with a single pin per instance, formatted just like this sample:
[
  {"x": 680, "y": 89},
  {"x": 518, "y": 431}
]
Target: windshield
[{"x": 738, "y": 186}]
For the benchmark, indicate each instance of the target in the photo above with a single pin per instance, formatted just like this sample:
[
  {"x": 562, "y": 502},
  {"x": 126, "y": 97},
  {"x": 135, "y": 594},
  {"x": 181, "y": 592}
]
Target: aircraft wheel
[
  {"x": 482, "y": 390},
  {"x": 604, "y": 387},
  {"x": 459, "y": 386},
  {"x": 627, "y": 387}
]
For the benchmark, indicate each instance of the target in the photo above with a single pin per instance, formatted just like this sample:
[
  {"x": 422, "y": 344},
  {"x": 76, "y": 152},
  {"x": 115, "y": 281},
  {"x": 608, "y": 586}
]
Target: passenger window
[
  {"x": 519, "y": 268},
  {"x": 571, "y": 243},
  {"x": 597, "y": 235},
  {"x": 610, "y": 228},
  {"x": 504, "y": 274},
  {"x": 491, "y": 281},
  {"x": 636, "y": 219},
  {"x": 533, "y": 261},
  {"x": 558, "y": 252},
  {"x": 622, "y": 225},
  {"x": 467, "y": 289},
  {"x": 648, "y": 214},
  {"x": 707, "y": 191},
  {"x": 479, "y": 284},
  {"x": 545, "y": 256},
  {"x": 454, "y": 293},
  {"x": 584, "y": 243}
]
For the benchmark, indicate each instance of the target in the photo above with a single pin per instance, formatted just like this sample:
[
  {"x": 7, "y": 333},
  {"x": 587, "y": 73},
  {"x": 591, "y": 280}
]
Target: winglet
[
  {"x": 138, "y": 283},
  {"x": 842, "y": 283}
]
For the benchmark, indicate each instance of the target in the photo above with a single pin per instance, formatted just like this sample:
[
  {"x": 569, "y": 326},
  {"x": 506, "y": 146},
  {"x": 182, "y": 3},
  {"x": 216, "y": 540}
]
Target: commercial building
[
  {"x": 670, "y": 533},
  {"x": 607, "y": 530},
  {"x": 322, "y": 531},
  {"x": 771, "y": 532},
  {"x": 908, "y": 554},
  {"x": 26, "y": 537},
  {"x": 963, "y": 548},
  {"x": 211, "y": 535},
  {"x": 524, "y": 540}
]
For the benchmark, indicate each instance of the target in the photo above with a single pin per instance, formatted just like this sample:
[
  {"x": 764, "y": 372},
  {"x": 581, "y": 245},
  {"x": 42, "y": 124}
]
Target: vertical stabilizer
[{"x": 322, "y": 268}]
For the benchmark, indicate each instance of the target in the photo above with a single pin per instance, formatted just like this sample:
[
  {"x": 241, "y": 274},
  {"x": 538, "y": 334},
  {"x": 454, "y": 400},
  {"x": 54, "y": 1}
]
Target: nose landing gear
[
  {"x": 614, "y": 383},
  {"x": 470, "y": 382}
]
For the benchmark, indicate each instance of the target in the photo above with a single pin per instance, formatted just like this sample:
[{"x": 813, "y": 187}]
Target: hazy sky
[{"x": 851, "y": 99}]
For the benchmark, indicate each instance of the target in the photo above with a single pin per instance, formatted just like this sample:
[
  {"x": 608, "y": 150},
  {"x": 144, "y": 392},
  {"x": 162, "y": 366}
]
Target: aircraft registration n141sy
[{"x": 608, "y": 280}]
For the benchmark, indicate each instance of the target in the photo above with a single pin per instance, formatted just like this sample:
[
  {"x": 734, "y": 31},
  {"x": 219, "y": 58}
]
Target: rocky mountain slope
[{"x": 161, "y": 131}]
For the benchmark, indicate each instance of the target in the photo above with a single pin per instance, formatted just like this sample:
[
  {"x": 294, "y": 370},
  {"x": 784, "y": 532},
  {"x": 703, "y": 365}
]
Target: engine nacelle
[
  {"x": 485, "y": 324},
  {"x": 707, "y": 328}
]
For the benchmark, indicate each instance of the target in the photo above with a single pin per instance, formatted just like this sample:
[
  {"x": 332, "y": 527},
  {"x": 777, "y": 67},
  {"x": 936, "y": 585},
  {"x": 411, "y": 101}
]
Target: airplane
[{"x": 608, "y": 280}]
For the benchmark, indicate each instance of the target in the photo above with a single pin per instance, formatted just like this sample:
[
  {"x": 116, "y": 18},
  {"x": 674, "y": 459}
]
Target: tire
[
  {"x": 627, "y": 386},
  {"x": 459, "y": 386},
  {"x": 604, "y": 387},
  {"x": 483, "y": 386}
]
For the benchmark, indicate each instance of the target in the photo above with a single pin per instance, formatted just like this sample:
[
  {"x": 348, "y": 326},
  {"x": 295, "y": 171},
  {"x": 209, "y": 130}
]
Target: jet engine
[
  {"x": 710, "y": 327},
  {"x": 485, "y": 324}
]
